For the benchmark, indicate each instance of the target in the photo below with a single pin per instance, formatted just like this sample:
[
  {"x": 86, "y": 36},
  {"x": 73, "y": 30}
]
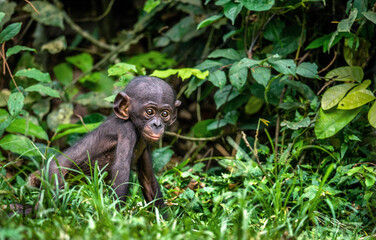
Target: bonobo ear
[
  {"x": 121, "y": 105},
  {"x": 177, "y": 103},
  {"x": 173, "y": 119}
]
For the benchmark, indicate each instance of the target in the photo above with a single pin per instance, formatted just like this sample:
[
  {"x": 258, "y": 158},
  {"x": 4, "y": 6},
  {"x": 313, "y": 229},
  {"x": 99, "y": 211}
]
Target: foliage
[{"x": 276, "y": 136}]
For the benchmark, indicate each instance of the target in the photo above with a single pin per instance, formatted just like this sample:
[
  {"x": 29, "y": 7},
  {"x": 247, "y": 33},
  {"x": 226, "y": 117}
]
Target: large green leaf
[
  {"x": 356, "y": 99},
  {"x": 370, "y": 16},
  {"x": 330, "y": 122},
  {"x": 9, "y": 32},
  {"x": 18, "y": 144},
  {"x": 43, "y": 90},
  {"x": 83, "y": 61},
  {"x": 308, "y": 70},
  {"x": 284, "y": 66},
  {"x": 25, "y": 127},
  {"x": 232, "y": 10},
  {"x": 228, "y": 53},
  {"x": 15, "y": 103},
  {"x": 253, "y": 105},
  {"x": 345, "y": 24},
  {"x": 238, "y": 75},
  {"x": 372, "y": 115},
  {"x": 226, "y": 93},
  {"x": 258, "y": 5},
  {"x": 161, "y": 157},
  {"x": 346, "y": 74},
  {"x": 262, "y": 75},
  {"x": 64, "y": 73},
  {"x": 302, "y": 88},
  {"x": 200, "y": 129},
  {"x": 35, "y": 74},
  {"x": 333, "y": 95},
  {"x": 47, "y": 13},
  {"x": 218, "y": 78}
]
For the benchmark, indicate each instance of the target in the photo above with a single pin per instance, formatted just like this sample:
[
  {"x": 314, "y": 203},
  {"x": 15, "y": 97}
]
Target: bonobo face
[{"x": 150, "y": 104}]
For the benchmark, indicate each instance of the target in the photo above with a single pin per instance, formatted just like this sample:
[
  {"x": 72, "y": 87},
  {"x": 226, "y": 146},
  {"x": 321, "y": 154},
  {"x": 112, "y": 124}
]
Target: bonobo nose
[{"x": 157, "y": 124}]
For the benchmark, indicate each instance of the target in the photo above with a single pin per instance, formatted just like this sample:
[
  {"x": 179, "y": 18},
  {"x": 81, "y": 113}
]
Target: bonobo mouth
[{"x": 152, "y": 137}]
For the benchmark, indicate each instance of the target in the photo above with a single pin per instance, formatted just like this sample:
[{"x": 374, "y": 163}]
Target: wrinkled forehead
[{"x": 146, "y": 89}]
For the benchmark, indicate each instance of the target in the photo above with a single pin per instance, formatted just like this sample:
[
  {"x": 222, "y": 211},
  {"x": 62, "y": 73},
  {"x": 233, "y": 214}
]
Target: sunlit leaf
[
  {"x": 183, "y": 73},
  {"x": 83, "y": 61},
  {"x": 332, "y": 121},
  {"x": 150, "y": 5},
  {"x": 209, "y": 21},
  {"x": 372, "y": 115},
  {"x": 356, "y": 99},
  {"x": 333, "y": 95},
  {"x": 64, "y": 73}
]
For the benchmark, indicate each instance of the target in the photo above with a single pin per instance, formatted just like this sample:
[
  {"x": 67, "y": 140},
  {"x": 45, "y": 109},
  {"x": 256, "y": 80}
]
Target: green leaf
[
  {"x": 16, "y": 49},
  {"x": 302, "y": 88},
  {"x": 228, "y": 53},
  {"x": 121, "y": 69},
  {"x": 150, "y": 5},
  {"x": 35, "y": 74},
  {"x": 47, "y": 13},
  {"x": 74, "y": 128},
  {"x": 356, "y": 99},
  {"x": 55, "y": 46},
  {"x": 5, "y": 120},
  {"x": 365, "y": 84},
  {"x": 209, "y": 21},
  {"x": 64, "y": 73},
  {"x": 18, "y": 144},
  {"x": 372, "y": 115},
  {"x": 346, "y": 74},
  {"x": 218, "y": 78},
  {"x": 43, "y": 90},
  {"x": 304, "y": 123},
  {"x": 15, "y": 103},
  {"x": 262, "y": 75},
  {"x": 333, "y": 95},
  {"x": 9, "y": 32},
  {"x": 253, "y": 105},
  {"x": 257, "y": 5},
  {"x": 228, "y": 92},
  {"x": 232, "y": 10},
  {"x": 330, "y": 122},
  {"x": 345, "y": 24},
  {"x": 308, "y": 70},
  {"x": 284, "y": 66},
  {"x": 2, "y": 15},
  {"x": 183, "y": 73},
  {"x": 230, "y": 118},
  {"x": 200, "y": 129},
  {"x": 161, "y": 157},
  {"x": 238, "y": 75},
  {"x": 83, "y": 61},
  {"x": 371, "y": 16},
  {"x": 25, "y": 127}
]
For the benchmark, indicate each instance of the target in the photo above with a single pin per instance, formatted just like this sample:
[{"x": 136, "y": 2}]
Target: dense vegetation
[{"x": 275, "y": 138}]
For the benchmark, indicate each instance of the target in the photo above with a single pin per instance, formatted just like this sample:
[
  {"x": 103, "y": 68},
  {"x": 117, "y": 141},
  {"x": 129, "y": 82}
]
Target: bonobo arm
[
  {"x": 148, "y": 181},
  {"x": 121, "y": 166}
]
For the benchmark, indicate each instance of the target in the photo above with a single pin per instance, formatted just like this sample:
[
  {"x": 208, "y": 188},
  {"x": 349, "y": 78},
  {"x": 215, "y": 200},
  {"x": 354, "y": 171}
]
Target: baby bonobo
[{"x": 122, "y": 142}]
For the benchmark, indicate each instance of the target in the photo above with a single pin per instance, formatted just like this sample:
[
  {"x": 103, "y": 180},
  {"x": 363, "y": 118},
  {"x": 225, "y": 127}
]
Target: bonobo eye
[
  {"x": 150, "y": 111},
  {"x": 164, "y": 114}
]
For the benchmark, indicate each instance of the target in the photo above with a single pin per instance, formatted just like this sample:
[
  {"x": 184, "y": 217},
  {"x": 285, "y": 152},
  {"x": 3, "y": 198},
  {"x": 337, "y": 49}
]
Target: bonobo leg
[{"x": 148, "y": 181}]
